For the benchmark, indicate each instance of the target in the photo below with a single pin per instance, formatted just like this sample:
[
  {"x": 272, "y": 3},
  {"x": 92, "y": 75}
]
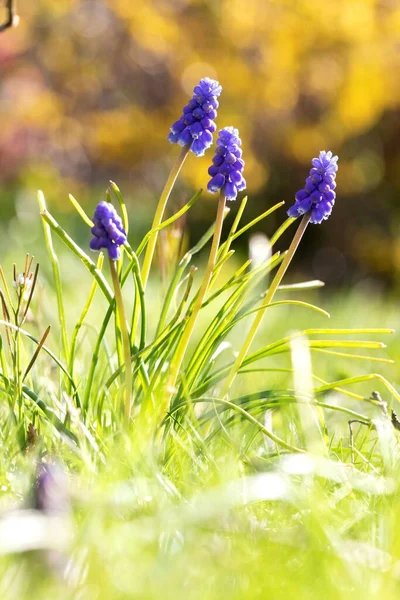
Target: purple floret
[
  {"x": 318, "y": 195},
  {"x": 108, "y": 231},
  {"x": 226, "y": 170},
  {"x": 196, "y": 125}
]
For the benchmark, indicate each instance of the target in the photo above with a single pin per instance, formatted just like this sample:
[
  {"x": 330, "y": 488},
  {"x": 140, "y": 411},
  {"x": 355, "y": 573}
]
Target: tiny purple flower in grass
[
  {"x": 50, "y": 493},
  {"x": 108, "y": 231},
  {"x": 318, "y": 195},
  {"x": 196, "y": 125},
  {"x": 227, "y": 167}
]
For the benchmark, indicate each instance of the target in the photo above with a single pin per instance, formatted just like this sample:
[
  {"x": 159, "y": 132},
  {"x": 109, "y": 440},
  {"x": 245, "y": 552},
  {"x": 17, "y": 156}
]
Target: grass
[{"x": 152, "y": 489}]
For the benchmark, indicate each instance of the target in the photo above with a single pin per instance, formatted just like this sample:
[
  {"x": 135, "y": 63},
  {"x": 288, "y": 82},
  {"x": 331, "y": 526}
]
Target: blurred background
[{"x": 89, "y": 89}]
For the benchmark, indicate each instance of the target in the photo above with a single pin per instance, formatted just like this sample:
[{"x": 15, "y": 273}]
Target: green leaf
[{"x": 167, "y": 222}]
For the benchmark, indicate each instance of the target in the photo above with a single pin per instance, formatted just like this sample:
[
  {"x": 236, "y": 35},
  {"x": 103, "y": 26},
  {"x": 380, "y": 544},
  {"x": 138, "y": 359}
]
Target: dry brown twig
[{"x": 12, "y": 17}]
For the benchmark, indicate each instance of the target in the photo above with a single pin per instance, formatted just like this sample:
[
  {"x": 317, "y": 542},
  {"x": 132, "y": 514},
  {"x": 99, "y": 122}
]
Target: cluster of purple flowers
[
  {"x": 108, "y": 231},
  {"x": 196, "y": 125},
  {"x": 227, "y": 167},
  {"x": 318, "y": 195},
  {"x": 195, "y": 128}
]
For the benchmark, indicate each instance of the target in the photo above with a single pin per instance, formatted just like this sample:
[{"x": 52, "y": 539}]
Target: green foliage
[{"x": 191, "y": 492}]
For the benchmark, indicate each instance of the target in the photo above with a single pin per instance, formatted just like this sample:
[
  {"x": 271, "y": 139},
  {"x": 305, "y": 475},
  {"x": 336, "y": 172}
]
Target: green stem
[
  {"x": 162, "y": 203},
  {"x": 151, "y": 239},
  {"x": 95, "y": 357},
  {"x": 3, "y": 361},
  {"x": 225, "y": 247},
  {"x": 48, "y": 352},
  {"x": 185, "y": 339},
  {"x": 83, "y": 257},
  {"x": 100, "y": 338},
  {"x": 117, "y": 330},
  {"x": 170, "y": 293},
  {"x": 17, "y": 371},
  {"x": 125, "y": 338},
  {"x": 267, "y": 300},
  {"x": 179, "y": 273},
  {"x": 82, "y": 317},
  {"x": 139, "y": 296}
]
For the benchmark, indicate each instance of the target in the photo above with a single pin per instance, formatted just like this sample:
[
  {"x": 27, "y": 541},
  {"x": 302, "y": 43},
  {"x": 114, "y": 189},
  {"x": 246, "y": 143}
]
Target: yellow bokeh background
[{"x": 90, "y": 87}]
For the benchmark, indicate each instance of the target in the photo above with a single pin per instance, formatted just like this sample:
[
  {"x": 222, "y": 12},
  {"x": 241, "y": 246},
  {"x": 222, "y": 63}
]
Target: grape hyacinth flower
[
  {"x": 318, "y": 195},
  {"x": 196, "y": 125},
  {"x": 315, "y": 202},
  {"x": 108, "y": 231},
  {"x": 227, "y": 167}
]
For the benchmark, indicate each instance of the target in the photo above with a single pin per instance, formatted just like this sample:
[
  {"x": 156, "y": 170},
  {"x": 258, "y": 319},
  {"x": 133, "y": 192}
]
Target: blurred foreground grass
[{"x": 216, "y": 520}]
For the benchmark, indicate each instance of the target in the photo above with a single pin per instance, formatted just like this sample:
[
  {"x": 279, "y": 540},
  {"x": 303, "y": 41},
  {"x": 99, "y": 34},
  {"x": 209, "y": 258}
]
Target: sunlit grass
[{"x": 285, "y": 487}]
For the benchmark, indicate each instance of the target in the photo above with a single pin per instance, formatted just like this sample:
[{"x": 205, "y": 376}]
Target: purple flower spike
[
  {"x": 227, "y": 167},
  {"x": 318, "y": 195},
  {"x": 196, "y": 125},
  {"x": 108, "y": 231}
]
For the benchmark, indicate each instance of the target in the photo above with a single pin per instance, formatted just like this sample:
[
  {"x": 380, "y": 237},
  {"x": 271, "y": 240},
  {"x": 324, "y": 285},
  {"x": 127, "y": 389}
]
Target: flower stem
[
  {"x": 152, "y": 239},
  {"x": 185, "y": 339},
  {"x": 267, "y": 301},
  {"x": 162, "y": 203},
  {"x": 125, "y": 338}
]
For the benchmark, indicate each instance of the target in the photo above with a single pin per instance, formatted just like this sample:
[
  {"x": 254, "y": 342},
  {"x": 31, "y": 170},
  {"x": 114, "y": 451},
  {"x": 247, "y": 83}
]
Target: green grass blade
[
  {"x": 254, "y": 421},
  {"x": 256, "y": 220},
  {"x": 307, "y": 305},
  {"x": 48, "y": 352},
  {"x": 135, "y": 267},
  {"x": 82, "y": 316},
  {"x": 183, "y": 263},
  {"x": 167, "y": 222},
  {"x": 285, "y": 225},
  {"x": 80, "y": 211},
  {"x": 121, "y": 202},
  {"x": 360, "y": 379},
  {"x": 388, "y": 361},
  {"x": 83, "y": 257},
  {"x": 305, "y": 285},
  {"x": 49, "y": 413},
  {"x": 56, "y": 276}
]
